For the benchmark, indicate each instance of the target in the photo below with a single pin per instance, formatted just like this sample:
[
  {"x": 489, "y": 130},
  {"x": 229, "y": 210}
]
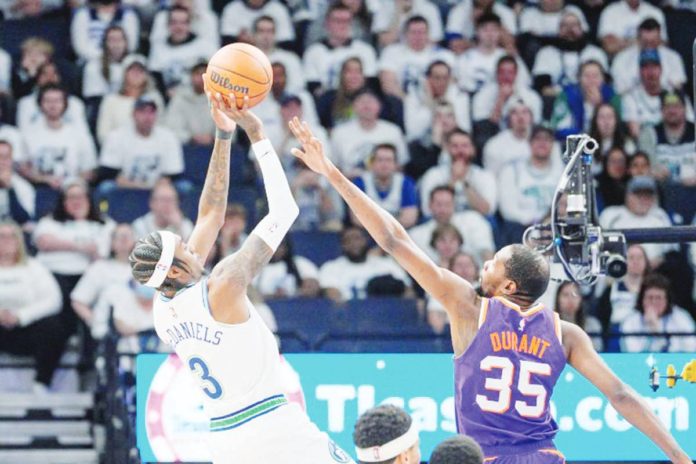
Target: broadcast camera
[{"x": 581, "y": 246}]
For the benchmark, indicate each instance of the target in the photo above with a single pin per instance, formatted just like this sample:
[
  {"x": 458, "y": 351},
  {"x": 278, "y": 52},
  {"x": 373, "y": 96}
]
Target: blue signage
[{"x": 337, "y": 388}]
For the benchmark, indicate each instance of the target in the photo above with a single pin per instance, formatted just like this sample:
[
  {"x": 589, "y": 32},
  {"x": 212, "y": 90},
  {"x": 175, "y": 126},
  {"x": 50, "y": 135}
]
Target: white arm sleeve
[{"x": 282, "y": 209}]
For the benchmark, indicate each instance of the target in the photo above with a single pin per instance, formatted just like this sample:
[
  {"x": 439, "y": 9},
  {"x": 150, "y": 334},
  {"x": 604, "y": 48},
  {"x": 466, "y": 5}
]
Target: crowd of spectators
[{"x": 451, "y": 115}]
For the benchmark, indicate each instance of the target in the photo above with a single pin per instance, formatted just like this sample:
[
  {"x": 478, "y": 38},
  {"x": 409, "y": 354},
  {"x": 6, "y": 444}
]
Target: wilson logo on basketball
[{"x": 225, "y": 82}]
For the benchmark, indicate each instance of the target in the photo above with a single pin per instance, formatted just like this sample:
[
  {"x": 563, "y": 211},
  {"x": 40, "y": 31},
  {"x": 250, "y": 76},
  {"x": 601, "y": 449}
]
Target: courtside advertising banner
[{"x": 335, "y": 389}]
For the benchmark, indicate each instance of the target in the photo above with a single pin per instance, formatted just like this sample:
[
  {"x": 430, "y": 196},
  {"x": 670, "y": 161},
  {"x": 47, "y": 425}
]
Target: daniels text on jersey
[{"x": 193, "y": 331}]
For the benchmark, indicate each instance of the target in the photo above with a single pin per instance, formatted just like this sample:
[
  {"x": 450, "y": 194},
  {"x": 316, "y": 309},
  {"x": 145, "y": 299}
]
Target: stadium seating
[
  {"x": 317, "y": 246},
  {"x": 46, "y": 199},
  {"x": 56, "y": 30},
  {"x": 125, "y": 205}
]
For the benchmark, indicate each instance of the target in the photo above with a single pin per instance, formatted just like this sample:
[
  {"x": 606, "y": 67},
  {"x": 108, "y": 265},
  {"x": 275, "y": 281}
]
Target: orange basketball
[{"x": 241, "y": 70}]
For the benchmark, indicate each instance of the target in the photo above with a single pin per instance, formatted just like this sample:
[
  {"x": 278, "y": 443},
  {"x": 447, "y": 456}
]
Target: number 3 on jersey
[
  {"x": 200, "y": 368},
  {"x": 503, "y": 385}
]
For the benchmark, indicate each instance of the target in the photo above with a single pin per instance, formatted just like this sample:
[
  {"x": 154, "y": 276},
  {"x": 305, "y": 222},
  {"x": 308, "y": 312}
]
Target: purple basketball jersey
[{"x": 504, "y": 380}]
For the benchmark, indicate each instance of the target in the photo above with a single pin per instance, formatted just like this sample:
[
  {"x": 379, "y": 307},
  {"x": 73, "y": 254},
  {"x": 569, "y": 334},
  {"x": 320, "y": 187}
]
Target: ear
[{"x": 509, "y": 287}]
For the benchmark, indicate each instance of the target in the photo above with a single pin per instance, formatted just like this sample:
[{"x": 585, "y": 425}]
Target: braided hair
[{"x": 144, "y": 258}]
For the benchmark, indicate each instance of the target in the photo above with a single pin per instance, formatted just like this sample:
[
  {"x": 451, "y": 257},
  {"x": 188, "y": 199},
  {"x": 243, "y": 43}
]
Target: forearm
[
  {"x": 477, "y": 201},
  {"x": 84, "y": 311},
  {"x": 213, "y": 200},
  {"x": 49, "y": 242},
  {"x": 637, "y": 412}
]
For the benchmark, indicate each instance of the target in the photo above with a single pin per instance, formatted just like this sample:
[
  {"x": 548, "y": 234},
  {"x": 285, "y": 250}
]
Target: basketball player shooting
[
  {"x": 508, "y": 351},
  {"x": 213, "y": 326}
]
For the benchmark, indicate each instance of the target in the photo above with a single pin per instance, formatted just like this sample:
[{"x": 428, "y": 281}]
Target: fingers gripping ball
[{"x": 241, "y": 70}]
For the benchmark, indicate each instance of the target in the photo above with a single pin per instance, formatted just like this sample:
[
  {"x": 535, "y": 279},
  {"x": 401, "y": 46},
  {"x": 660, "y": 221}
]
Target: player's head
[
  {"x": 163, "y": 261},
  {"x": 516, "y": 271},
  {"x": 458, "y": 449},
  {"x": 386, "y": 434}
]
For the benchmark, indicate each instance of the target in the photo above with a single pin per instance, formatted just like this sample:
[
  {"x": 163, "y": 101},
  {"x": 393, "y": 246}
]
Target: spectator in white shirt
[
  {"x": 56, "y": 150},
  {"x": 89, "y": 23},
  {"x": 70, "y": 239},
  {"x": 204, "y": 23},
  {"x": 526, "y": 187},
  {"x": 475, "y": 230},
  {"x": 28, "y": 110},
  {"x": 447, "y": 241},
  {"x": 17, "y": 196},
  {"x": 392, "y": 190},
  {"x": 171, "y": 60},
  {"x": 656, "y": 313},
  {"x": 619, "y": 22},
  {"x": 640, "y": 210},
  {"x": 625, "y": 68},
  {"x": 322, "y": 61},
  {"x": 609, "y": 131},
  {"x": 184, "y": 112},
  {"x": 104, "y": 74},
  {"x": 642, "y": 104},
  {"x": 165, "y": 213},
  {"x": 29, "y": 301},
  {"x": 288, "y": 275},
  {"x": 19, "y": 9},
  {"x": 425, "y": 152},
  {"x": 265, "y": 39},
  {"x": 402, "y": 65},
  {"x": 462, "y": 18},
  {"x": 238, "y": 18},
  {"x": 475, "y": 188},
  {"x": 488, "y": 104},
  {"x": 671, "y": 143},
  {"x": 347, "y": 277},
  {"x": 421, "y": 101},
  {"x": 93, "y": 282},
  {"x": 477, "y": 65},
  {"x": 116, "y": 109},
  {"x": 391, "y": 16},
  {"x": 558, "y": 63},
  {"x": 353, "y": 141},
  {"x": 543, "y": 20},
  {"x": 511, "y": 144},
  {"x": 138, "y": 154}
]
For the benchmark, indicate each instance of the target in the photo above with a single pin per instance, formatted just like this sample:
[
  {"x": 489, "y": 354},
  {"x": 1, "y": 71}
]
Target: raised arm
[
  {"x": 213, "y": 201},
  {"x": 456, "y": 294},
  {"x": 229, "y": 280},
  {"x": 583, "y": 357}
]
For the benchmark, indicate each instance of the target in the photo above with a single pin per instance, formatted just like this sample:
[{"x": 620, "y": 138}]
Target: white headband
[
  {"x": 166, "y": 259},
  {"x": 390, "y": 449}
]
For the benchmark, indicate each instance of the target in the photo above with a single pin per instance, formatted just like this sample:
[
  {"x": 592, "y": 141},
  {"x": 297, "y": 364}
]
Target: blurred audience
[
  {"x": 238, "y": 16},
  {"x": 89, "y": 23},
  {"x": 17, "y": 196},
  {"x": 103, "y": 74},
  {"x": 611, "y": 182},
  {"x": 165, "y": 213},
  {"x": 184, "y": 112},
  {"x": 571, "y": 308},
  {"x": 620, "y": 20},
  {"x": 288, "y": 275}
]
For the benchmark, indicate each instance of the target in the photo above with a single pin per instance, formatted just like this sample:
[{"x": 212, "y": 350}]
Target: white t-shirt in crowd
[
  {"x": 484, "y": 101},
  {"x": 294, "y": 74},
  {"x": 474, "y": 69},
  {"x": 26, "y": 196},
  {"x": 29, "y": 291},
  {"x": 384, "y": 16},
  {"x": 73, "y": 262},
  {"x": 678, "y": 321},
  {"x": 268, "y": 111},
  {"x": 504, "y": 148},
  {"x": 116, "y": 110},
  {"x": 237, "y": 16},
  {"x": 563, "y": 66},
  {"x": 418, "y": 115},
  {"x": 546, "y": 24},
  {"x": 479, "y": 179},
  {"x": 620, "y": 20},
  {"x": 410, "y": 65},
  {"x": 64, "y": 152},
  {"x": 639, "y": 106},
  {"x": 351, "y": 144},
  {"x": 275, "y": 276},
  {"x": 474, "y": 227},
  {"x": 526, "y": 192},
  {"x": 146, "y": 224},
  {"x": 29, "y": 113},
  {"x": 322, "y": 63},
  {"x": 460, "y": 20},
  {"x": 5, "y": 71},
  {"x": 204, "y": 24},
  {"x": 619, "y": 217},
  {"x": 87, "y": 33},
  {"x": 99, "y": 275},
  {"x": 351, "y": 278},
  {"x": 94, "y": 84},
  {"x": 12, "y": 135},
  {"x": 625, "y": 69},
  {"x": 174, "y": 61},
  {"x": 143, "y": 159}
]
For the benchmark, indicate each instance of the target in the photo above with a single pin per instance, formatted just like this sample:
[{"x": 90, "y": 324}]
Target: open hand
[
  {"x": 218, "y": 107},
  {"x": 312, "y": 153}
]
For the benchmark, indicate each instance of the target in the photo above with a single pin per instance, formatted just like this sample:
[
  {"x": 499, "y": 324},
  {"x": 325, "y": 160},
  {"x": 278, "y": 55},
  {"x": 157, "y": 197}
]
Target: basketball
[{"x": 241, "y": 70}]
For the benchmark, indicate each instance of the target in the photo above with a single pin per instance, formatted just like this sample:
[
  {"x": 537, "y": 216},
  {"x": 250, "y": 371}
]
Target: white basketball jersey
[{"x": 237, "y": 364}]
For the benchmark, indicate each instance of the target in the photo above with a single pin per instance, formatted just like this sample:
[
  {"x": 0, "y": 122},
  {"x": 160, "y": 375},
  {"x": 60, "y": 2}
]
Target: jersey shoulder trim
[
  {"x": 524, "y": 313},
  {"x": 483, "y": 312},
  {"x": 557, "y": 326}
]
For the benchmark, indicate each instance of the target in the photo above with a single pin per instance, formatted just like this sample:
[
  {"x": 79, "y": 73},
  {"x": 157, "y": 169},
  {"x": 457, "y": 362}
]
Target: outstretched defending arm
[
  {"x": 582, "y": 356},
  {"x": 230, "y": 278},
  {"x": 213, "y": 201},
  {"x": 456, "y": 294}
]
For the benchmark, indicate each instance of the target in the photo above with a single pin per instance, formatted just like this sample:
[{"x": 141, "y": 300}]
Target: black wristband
[{"x": 222, "y": 135}]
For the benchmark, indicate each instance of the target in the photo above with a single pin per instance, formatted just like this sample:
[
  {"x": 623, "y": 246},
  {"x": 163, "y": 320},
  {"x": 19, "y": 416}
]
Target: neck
[
  {"x": 675, "y": 129},
  {"x": 539, "y": 162},
  {"x": 334, "y": 42},
  {"x": 132, "y": 90},
  {"x": 56, "y": 123},
  {"x": 653, "y": 89},
  {"x": 357, "y": 259},
  {"x": 383, "y": 182},
  {"x": 487, "y": 49},
  {"x": 144, "y": 132},
  {"x": 367, "y": 123},
  {"x": 6, "y": 261},
  {"x": 522, "y": 302},
  {"x": 520, "y": 133}
]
